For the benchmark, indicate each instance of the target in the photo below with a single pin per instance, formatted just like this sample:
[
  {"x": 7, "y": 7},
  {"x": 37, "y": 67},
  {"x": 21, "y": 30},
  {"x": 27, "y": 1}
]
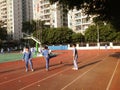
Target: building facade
[
  {"x": 52, "y": 15},
  {"x": 78, "y": 21},
  {"x": 27, "y": 10},
  {"x": 14, "y": 19},
  {"x": 3, "y": 12},
  {"x": 13, "y": 13}
]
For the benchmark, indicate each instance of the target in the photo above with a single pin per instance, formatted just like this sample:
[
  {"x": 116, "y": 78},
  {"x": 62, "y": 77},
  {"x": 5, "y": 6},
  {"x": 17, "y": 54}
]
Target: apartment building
[
  {"x": 52, "y": 15},
  {"x": 78, "y": 21},
  {"x": 13, "y": 13},
  {"x": 14, "y": 19},
  {"x": 3, "y": 12},
  {"x": 27, "y": 10}
]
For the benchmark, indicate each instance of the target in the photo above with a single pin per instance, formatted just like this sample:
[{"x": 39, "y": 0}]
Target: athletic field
[
  {"x": 98, "y": 70},
  {"x": 7, "y": 57}
]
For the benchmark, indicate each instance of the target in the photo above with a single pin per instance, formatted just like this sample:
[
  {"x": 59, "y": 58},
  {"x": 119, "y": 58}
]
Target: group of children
[
  {"x": 2, "y": 50},
  {"x": 27, "y": 58}
]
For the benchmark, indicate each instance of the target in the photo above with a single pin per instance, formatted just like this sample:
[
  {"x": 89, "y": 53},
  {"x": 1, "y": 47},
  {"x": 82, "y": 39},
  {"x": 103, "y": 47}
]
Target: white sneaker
[
  {"x": 75, "y": 68},
  {"x": 32, "y": 70},
  {"x": 47, "y": 69},
  {"x": 26, "y": 70}
]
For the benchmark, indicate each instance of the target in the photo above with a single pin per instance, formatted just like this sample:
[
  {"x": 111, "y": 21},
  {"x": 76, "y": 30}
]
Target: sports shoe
[
  {"x": 26, "y": 70},
  {"x": 32, "y": 70},
  {"x": 75, "y": 68},
  {"x": 47, "y": 69}
]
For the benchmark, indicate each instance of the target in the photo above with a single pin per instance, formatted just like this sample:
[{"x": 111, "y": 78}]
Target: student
[
  {"x": 8, "y": 49},
  {"x": 27, "y": 57},
  {"x": 2, "y": 51},
  {"x": 75, "y": 57},
  {"x": 45, "y": 53},
  {"x": 105, "y": 46}
]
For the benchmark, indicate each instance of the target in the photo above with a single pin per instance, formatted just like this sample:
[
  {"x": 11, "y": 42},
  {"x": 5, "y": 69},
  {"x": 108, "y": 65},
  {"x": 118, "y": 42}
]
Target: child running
[
  {"x": 27, "y": 57},
  {"x": 75, "y": 57}
]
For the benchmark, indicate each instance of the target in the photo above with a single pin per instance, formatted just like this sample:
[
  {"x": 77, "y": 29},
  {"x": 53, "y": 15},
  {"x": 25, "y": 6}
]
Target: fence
[{"x": 86, "y": 47}]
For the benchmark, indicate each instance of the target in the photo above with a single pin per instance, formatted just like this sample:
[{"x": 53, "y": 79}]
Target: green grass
[{"x": 7, "y": 57}]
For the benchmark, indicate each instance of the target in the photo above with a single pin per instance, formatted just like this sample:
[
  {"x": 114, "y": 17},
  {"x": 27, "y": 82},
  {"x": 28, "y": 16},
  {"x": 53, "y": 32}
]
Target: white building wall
[
  {"x": 51, "y": 14},
  {"x": 3, "y": 12},
  {"x": 77, "y": 21},
  {"x": 12, "y": 18},
  {"x": 36, "y": 9},
  {"x": 13, "y": 14}
]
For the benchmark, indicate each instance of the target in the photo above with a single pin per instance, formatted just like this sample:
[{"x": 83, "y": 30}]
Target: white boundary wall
[{"x": 87, "y": 47}]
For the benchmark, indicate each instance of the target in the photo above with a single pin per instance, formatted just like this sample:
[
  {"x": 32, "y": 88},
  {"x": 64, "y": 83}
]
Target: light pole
[{"x": 98, "y": 34}]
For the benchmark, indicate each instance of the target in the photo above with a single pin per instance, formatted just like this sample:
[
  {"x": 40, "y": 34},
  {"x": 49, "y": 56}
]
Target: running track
[{"x": 98, "y": 70}]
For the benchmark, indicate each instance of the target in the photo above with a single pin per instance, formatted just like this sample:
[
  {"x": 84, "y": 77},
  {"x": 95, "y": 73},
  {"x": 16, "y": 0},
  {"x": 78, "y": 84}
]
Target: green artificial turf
[{"x": 7, "y": 57}]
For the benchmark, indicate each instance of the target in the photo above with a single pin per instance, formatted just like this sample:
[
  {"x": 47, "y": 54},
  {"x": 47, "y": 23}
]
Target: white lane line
[
  {"x": 32, "y": 73},
  {"x": 20, "y": 77},
  {"x": 108, "y": 86},
  {"x": 24, "y": 76},
  {"x": 84, "y": 73},
  {"x": 44, "y": 79},
  {"x": 79, "y": 77}
]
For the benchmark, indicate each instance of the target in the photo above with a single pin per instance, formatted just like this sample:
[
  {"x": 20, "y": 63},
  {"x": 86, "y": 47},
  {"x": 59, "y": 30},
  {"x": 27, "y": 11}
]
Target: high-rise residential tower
[
  {"x": 78, "y": 21},
  {"x": 52, "y": 15},
  {"x": 3, "y": 12},
  {"x": 13, "y": 13}
]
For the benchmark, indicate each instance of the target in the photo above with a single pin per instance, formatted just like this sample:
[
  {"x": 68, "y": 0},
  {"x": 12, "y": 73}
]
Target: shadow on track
[
  {"x": 91, "y": 63},
  {"x": 116, "y": 55}
]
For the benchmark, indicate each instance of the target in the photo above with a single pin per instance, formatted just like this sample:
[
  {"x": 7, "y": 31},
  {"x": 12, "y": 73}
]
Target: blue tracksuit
[
  {"x": 45, "y": 53},
  {"x": 27, "y": 56}
]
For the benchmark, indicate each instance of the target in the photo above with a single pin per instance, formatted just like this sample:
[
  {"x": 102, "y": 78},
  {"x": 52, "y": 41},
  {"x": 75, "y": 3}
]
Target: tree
[
  {"x": 77, "y": 38},
  {"x": 91, "y": 34},
  {"x": 3, "y": 31},
  {"x": 106, "y": 33},
  {"x": 56, "y": 36},
  {"x": 3, "y": 34},
  {"x": 59, "y": 35},
  {"x": 107, "y": 10},
  {"x": 117, "y": 39},
  {"x": 28, "y": 27}
]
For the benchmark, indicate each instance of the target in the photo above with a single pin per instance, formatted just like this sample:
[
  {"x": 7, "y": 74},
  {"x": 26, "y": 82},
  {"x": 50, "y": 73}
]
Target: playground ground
[{"x": 98, "y": 70}]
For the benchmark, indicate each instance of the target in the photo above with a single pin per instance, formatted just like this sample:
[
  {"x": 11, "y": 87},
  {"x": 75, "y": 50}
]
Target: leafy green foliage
[
  {"x": 30, "y": 26},
  {"x": 117, "y": 37},
  {"x": 3, "y": 34},
  {"x": 106, "y": 33},
  {"x": 77, "y": 38},
  {"x": 55, "y": 35}
]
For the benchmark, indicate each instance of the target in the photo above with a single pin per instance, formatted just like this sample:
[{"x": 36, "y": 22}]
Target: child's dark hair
[
  {"x": 74, "y": 45},
  {"x": 27, "y": 47},
  {"x": 46, "y": 47}
]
